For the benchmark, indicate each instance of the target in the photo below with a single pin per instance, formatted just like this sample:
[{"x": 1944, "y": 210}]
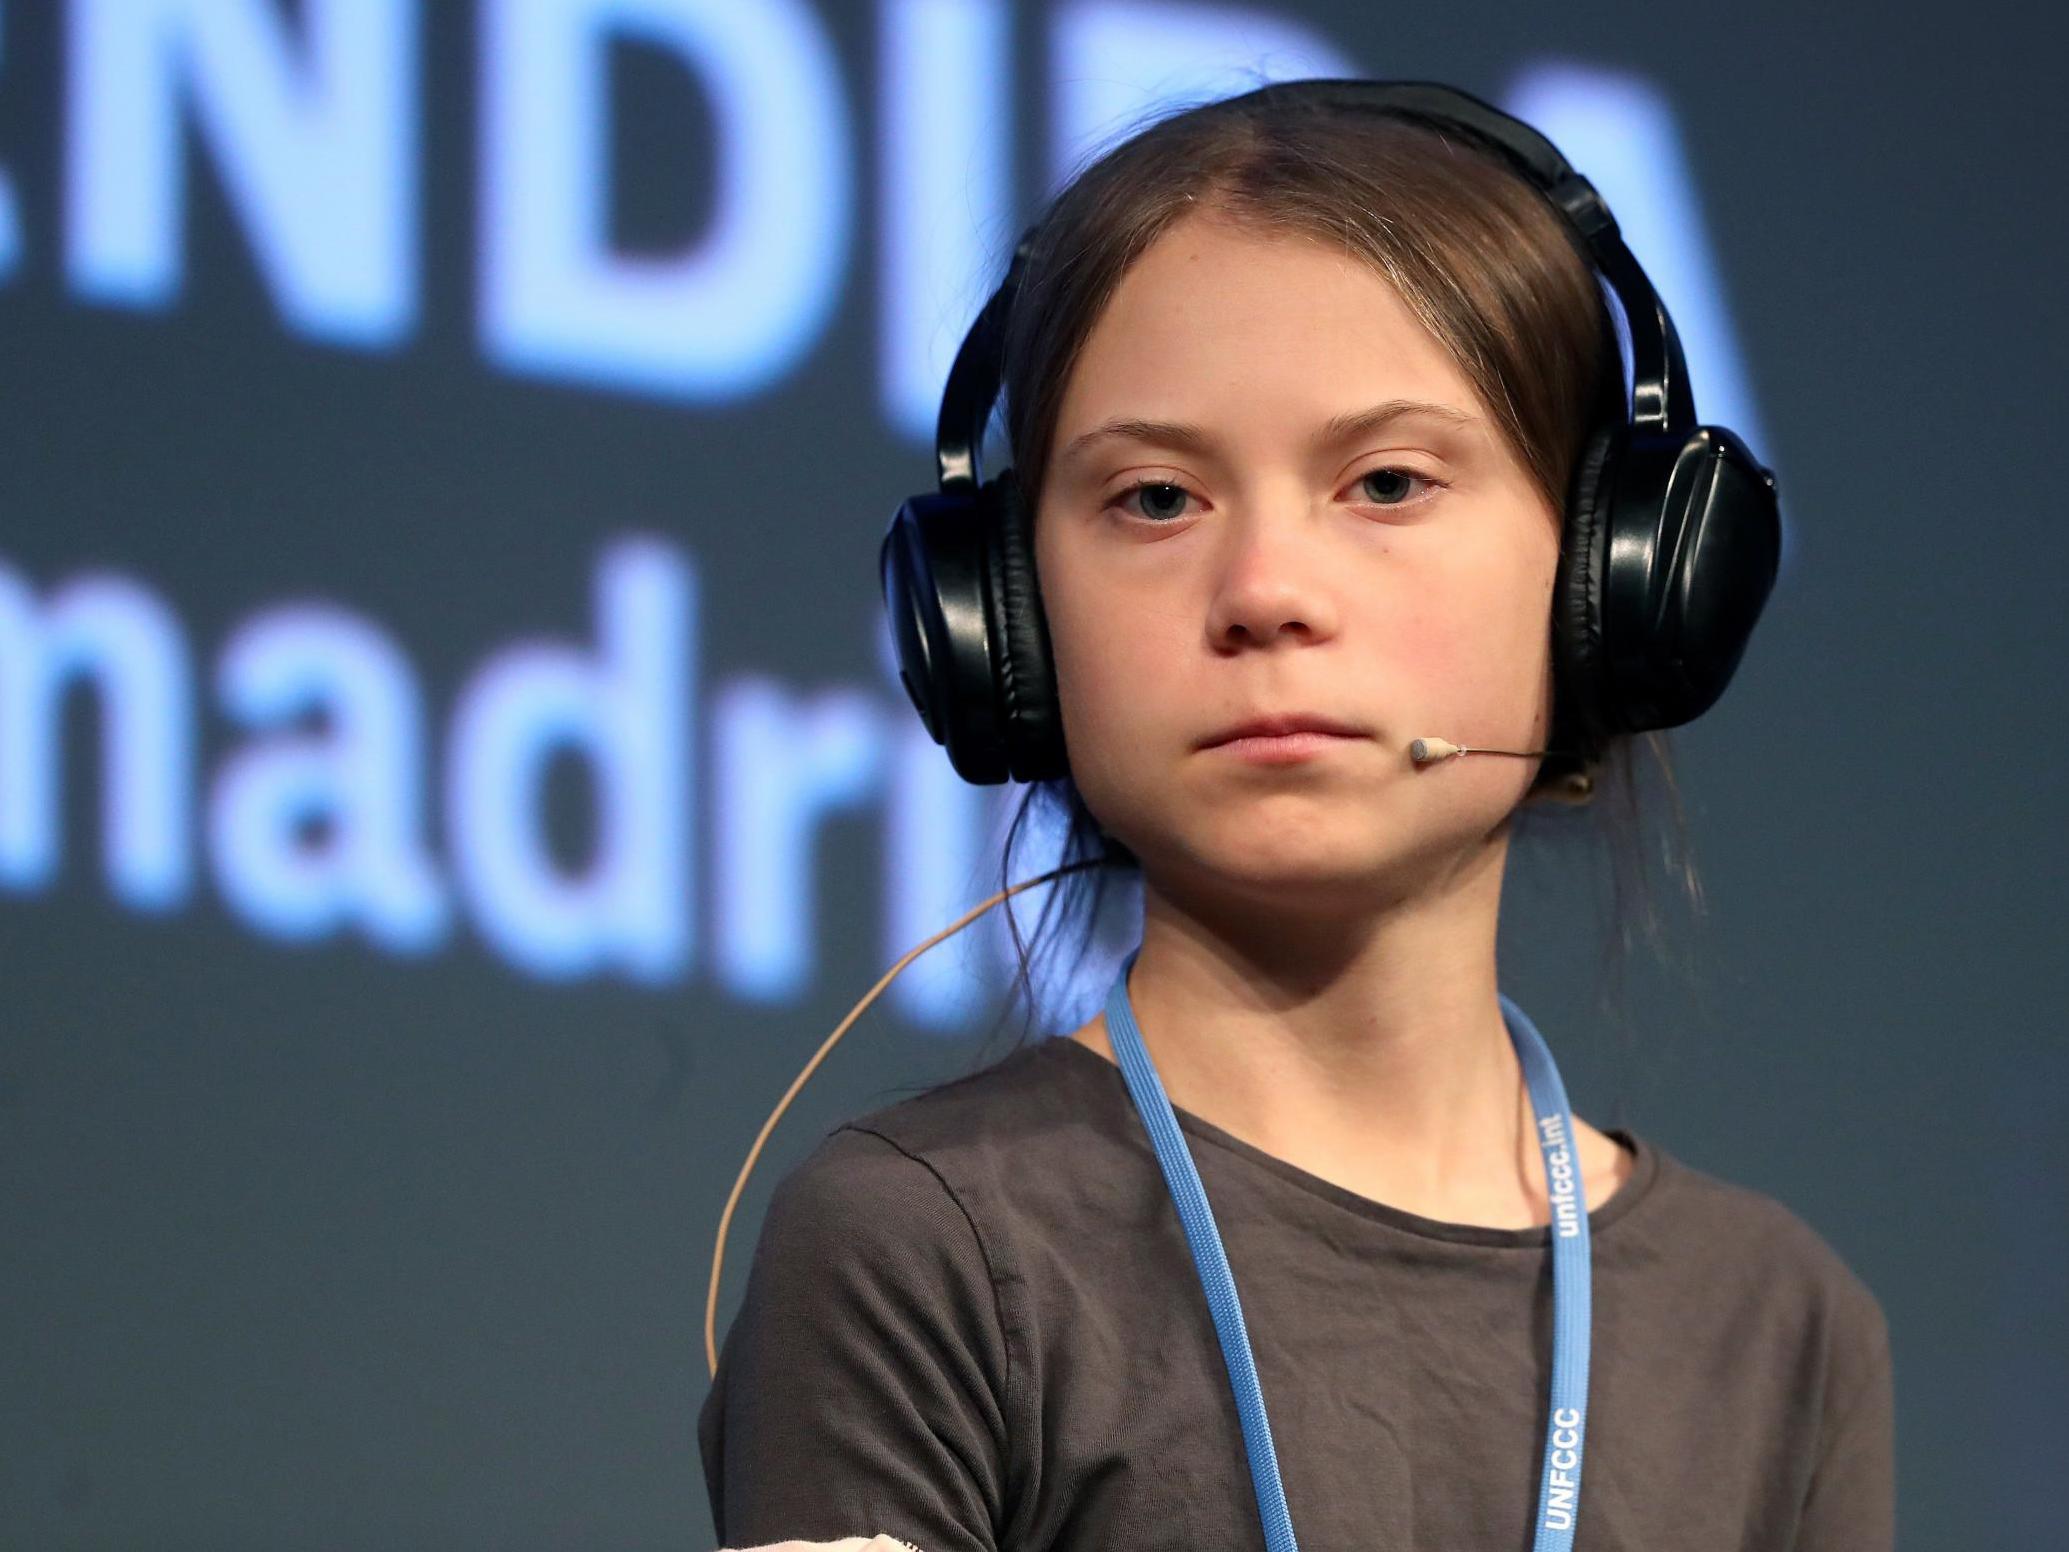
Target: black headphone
[{"x": 1671, "y": 544}]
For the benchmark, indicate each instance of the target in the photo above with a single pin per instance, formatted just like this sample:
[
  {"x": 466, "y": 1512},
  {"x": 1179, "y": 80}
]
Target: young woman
[{"x": 1322, "y": 448}]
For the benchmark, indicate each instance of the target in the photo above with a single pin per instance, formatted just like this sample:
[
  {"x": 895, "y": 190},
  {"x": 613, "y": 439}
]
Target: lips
[{"x": 1279, "y": 723}]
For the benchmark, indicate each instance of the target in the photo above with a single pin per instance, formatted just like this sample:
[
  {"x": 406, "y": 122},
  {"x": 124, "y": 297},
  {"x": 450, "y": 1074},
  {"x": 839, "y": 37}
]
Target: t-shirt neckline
[{"x": 1645, "y": 1172}]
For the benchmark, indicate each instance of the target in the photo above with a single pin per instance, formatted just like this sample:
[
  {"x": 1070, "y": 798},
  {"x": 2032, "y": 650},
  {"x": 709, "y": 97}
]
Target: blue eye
[
  {"x": 1163, "y": 487},
  {"x": 1393, "y": 474},
  {"x": 1163, "y": 501}
]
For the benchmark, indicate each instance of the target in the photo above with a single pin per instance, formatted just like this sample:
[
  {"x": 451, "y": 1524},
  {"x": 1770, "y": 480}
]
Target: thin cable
[{"x": 725, "y": 1218}]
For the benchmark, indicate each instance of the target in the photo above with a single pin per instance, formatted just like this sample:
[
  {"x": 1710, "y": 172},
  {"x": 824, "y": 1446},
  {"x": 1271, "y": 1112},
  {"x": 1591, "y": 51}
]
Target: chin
[
  {"x": 1338, "y": 863},
  {"x": 1307, "y": 857}
]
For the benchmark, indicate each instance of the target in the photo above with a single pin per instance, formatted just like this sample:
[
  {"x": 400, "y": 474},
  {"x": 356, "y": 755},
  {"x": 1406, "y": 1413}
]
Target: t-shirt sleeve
[
  {"x": 860, "y": 1388},
  {"x": 1851, "y": 1502}
]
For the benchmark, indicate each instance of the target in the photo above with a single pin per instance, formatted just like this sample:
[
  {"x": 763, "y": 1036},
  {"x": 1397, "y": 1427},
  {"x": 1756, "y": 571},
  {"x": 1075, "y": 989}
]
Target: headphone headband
[{"x": 1661, "y": 399}]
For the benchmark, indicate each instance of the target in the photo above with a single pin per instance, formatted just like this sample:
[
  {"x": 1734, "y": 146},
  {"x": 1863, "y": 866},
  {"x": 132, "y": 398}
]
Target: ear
[{"x": 1564, "y": 784}]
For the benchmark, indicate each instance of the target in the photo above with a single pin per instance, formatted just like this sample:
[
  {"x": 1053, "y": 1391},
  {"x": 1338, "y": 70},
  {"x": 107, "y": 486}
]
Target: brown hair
[{"x": 1478, "y": 255}]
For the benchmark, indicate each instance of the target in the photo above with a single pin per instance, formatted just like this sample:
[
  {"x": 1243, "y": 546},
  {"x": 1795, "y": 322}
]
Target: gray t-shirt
[{"x": 972, "y": 1321}]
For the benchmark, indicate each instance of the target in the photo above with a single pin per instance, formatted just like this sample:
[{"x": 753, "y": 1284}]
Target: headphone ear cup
[
  {"x": 933, "y": 572},
  {"x": 1030, "y": 714},
  {"x": 1692, "y": 547},
  {"x": 1671, "y": 549},
  {"x": 903, "y": 577}
]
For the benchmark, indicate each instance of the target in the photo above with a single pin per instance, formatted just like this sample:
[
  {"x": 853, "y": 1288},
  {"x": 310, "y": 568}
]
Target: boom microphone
[{"x": 1427, "y": 751}]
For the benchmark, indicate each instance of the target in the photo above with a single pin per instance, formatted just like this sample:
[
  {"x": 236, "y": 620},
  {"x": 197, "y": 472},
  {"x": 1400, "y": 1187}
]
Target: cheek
[
  {"x": 1101, "y": 684},
  {"x": 1478, "y": 650},
  {"x": 1439, "y": 646},
  {"x": 1431, "y": 648},
  {"x": 1089, "y": 646}
]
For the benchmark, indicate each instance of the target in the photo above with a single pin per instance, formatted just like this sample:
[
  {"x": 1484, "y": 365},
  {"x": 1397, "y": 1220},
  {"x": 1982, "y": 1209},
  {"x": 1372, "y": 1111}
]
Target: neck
[{"x": 1367, "y": 1049}]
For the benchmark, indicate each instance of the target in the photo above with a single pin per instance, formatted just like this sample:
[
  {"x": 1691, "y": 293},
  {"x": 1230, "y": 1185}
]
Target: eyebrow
[{"x": 1195, "y": 439}]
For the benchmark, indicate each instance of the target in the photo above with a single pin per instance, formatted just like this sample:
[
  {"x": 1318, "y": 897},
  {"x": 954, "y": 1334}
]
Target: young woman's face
[{"x": 1394, "y": 574}]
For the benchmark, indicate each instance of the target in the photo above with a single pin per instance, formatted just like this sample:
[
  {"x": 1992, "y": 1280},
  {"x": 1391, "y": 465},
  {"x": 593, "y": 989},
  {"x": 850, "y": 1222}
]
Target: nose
[{"x": 1273, "y": 581}]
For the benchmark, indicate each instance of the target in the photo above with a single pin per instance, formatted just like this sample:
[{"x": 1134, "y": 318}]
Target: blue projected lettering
[
  {"x": 112, "y": 633},
  {"x": 944, "y": 158},
  {"x": 783, "y": 766},
  {"x": 626, "y": 712},
  {"x": 729, "y": 315},
  {"x": 316, "y": 144},
  {"x": 362, "y": 777}
]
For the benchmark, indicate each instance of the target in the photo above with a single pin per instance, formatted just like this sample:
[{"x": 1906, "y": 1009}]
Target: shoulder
[
  {"x": 991, "y": 1137},
  {"x": 1746, "y": 1224},
  {"x": 1779, "y": 1276},
  {"x": 923, "y": 1171},
  {"x": 859, "y": 1208},
  {"x": 1032, "y": 1087},
  {"x": 863, "y": 1242},
  {"x": 1773, "y": 1300}
]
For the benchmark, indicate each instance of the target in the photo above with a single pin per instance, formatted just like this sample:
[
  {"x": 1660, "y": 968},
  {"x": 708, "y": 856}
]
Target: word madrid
[{"x": 338, "y": 738}]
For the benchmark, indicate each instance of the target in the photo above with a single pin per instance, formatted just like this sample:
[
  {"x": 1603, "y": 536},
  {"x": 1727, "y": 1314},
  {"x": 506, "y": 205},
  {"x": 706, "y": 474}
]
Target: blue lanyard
[{"x": 1558, "y": 1504}]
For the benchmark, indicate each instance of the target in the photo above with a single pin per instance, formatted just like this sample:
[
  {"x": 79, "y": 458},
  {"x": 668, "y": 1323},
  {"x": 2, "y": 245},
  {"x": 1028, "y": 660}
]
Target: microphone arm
[{"x": 1427, "y": 751}]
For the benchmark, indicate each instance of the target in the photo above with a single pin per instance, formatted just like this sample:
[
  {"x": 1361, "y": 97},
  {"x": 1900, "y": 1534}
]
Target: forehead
[{"x": 1259, "y": 335}]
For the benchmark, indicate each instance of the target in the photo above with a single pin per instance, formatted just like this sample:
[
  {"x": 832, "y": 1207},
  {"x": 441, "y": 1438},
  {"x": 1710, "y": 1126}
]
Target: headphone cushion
[
  {"x": 1580, "y": 650},
  {"x": 1030, "y": 714}
]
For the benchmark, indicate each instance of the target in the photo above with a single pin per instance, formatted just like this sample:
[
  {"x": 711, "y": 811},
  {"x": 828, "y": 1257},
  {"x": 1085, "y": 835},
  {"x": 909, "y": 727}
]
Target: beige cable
[{"x": 725, "y": 1218}]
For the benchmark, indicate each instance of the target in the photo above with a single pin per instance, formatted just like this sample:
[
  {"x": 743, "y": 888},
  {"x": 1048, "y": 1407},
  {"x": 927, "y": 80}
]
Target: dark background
[{"x": 306, "y": 1243}]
